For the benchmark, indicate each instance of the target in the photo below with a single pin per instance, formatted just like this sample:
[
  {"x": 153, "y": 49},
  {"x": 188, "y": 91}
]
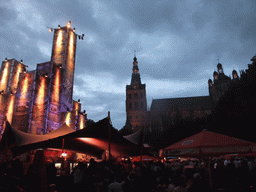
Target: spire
[{"x": 135, "y": 72}]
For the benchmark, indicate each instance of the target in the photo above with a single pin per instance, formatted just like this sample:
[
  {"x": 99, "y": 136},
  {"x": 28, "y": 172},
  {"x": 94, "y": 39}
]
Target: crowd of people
[{"x": 237, "y": 173}]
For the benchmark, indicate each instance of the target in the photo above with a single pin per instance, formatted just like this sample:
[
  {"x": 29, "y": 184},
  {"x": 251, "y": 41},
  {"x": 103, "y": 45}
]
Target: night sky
[{"x": 178, "y": 45}]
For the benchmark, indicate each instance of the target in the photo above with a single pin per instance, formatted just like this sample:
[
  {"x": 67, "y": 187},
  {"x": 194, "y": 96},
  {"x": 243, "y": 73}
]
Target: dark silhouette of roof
[{"x": 182, "y": 103}]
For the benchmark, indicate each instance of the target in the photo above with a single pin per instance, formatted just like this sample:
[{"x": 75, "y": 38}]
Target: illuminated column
[
  {"x": 40, "y": 105},
  {"x": 24, "y": 101},
  {"x": 68, "y": 117},
  {"x": 9, "y": 75},
  {"x": 75, "y": 113},
  {"x": 53, "y": 111},
  {"x": 63, "y": 54},
  {"x": 10, "y": 107},
  {"x": 81, "y": 124},
  {"x": 9, "y": 79},
  {"x": 3, "y": 98},
  {"x": 5, "y": 74}
]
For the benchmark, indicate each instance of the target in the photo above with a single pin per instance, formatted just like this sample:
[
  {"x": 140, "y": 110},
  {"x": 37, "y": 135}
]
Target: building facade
[
  {"x": 168, "y": 111},
  {"x": 41, "y": 100}
]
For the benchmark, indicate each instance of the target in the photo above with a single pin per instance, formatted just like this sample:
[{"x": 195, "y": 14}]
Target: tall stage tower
[{"x": 41, "y": 100}]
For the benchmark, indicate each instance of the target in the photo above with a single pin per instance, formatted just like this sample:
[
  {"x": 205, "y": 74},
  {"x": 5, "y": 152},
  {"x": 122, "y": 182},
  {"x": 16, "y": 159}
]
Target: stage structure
[{"x": 41, "y": 100}]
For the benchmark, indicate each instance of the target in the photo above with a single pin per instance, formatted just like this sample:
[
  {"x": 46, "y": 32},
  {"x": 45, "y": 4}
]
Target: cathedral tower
[{"x": 136, "y": 103}]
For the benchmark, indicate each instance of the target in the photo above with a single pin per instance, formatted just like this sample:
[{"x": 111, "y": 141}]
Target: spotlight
[
  {"x": 21, "y": 61},
  {"x": 69, "y": 24},
  {"x": 6, "y": 59},
  {"x": 46, "y": 75},
  {"x": 2, "y": 92},
  {"x": 50, "y": 29},
  {"x": 74, "y": 29},
  {"x": 67, "y": 109},
  {"x": 78, "y": 100},
  {"x": 60, "y": 66},
  {"x": 10, "y": 92},
  {"x": 58, "y": 26}
]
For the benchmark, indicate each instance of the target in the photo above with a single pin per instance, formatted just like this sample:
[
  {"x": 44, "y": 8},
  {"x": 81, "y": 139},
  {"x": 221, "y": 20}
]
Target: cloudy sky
[{"x": 177, "y": 42}]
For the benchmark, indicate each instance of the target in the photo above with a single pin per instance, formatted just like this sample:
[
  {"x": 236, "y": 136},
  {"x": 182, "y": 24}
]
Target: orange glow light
[
  {"x": 58, "y": 46},
  {"x": 16, "y": 78},
  {"x": 41, "y": 92},
  {"x": 71, "y": 51},
  {"x": 95, "y": 142},
  {"x": 56, "y": 91},
  {"x": 68, "y": 118},
  {"x": 3, "y": 83},
  {"x": 24, "y": 89},
  {"x": 81, "y": 126},
  {"x": 10, "y": 109}
]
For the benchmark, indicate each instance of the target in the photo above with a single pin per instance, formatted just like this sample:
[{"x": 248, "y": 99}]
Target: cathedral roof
[{"x": 182, "y": 103}]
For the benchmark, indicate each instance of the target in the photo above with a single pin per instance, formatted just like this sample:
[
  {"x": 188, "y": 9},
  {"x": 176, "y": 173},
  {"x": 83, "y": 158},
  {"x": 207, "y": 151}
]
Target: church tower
[{"x": 136, "y": 102}]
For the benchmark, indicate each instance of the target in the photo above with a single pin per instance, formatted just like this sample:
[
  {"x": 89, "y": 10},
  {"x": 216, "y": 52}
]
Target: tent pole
[
  {"x": 141, "y": 150},
  {"x": 63, "y": 144},
  {"x": 109, "y": 136}
]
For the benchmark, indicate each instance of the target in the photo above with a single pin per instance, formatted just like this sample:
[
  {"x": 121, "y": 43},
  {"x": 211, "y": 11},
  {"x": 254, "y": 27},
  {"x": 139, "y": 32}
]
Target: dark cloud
[
  {"x": 6, "y": 16},
  {"x": 174, "y": 40}
]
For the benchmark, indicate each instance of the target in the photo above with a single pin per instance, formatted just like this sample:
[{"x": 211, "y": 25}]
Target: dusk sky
[{"x": 177, "y": 42}]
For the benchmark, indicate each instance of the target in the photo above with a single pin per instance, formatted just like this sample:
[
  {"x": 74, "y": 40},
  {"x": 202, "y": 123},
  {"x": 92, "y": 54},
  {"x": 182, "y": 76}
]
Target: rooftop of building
[{"x": 182, "y": 103}]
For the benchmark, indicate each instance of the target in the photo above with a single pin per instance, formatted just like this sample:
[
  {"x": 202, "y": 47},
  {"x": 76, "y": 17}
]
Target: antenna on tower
[{"x": 134, "y": 53}]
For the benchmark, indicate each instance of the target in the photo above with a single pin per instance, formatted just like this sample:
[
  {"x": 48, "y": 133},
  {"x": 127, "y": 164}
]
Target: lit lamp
[
  {"x": 69, "y": 24},
  {"x": 63, "y": 154}
]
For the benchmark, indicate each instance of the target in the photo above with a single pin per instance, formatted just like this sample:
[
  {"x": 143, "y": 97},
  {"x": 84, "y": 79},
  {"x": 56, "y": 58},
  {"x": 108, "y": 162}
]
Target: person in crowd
[{"x": 78, "y": 176}]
